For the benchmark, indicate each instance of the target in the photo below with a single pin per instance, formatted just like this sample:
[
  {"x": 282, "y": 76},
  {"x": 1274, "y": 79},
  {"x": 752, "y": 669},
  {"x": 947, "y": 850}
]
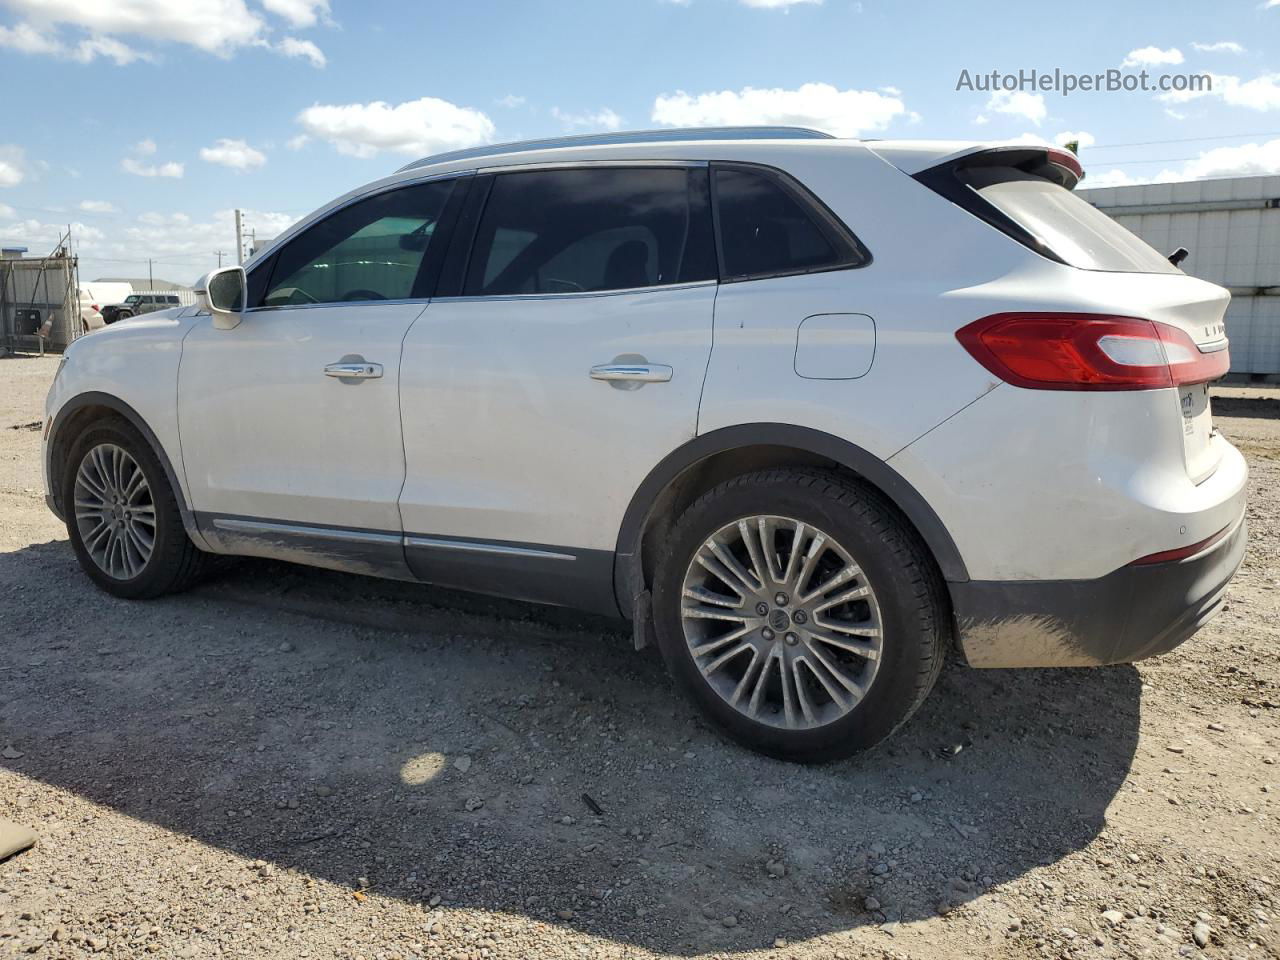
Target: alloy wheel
[
  {"x": 781, "y": 622},
  {"x": 114, "y": 510}
]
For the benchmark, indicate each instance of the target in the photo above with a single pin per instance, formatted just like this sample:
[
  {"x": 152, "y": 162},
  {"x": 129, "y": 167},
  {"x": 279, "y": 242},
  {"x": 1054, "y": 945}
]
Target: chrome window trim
[
  {"x": 578, "y": 294},
  {"x": 338, "y": 303},
  {"x": 475, "y": 546}
]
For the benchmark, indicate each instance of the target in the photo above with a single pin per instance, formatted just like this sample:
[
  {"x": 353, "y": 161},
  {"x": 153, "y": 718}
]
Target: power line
[{"x": 1152, "y": 143}]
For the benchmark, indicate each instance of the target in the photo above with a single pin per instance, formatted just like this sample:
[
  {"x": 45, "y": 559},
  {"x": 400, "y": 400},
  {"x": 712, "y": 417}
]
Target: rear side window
[
  {"x": 769, "y": 227},
  {"x": 373, "y": 249},
  {"x": 588, "y": 231}
]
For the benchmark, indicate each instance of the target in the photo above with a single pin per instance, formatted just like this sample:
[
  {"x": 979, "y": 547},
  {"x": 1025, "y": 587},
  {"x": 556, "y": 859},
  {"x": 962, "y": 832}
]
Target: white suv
[{"x": 802, "y": 409}]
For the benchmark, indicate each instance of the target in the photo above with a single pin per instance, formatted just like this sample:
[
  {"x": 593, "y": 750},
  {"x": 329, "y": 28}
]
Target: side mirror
[{"x": 223, "y": 293}]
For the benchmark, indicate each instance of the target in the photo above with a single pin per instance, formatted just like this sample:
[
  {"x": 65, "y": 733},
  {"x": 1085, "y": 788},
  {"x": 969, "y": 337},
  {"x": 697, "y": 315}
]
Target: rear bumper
[{"x": 1130, "y": 614}]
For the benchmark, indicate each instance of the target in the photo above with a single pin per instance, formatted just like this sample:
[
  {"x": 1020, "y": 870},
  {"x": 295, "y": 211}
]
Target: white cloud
[
  {"x": 1083, "y": 137},
  {"x": 1017, "y": 103},
  {"x": 1222, "y": 46},
  {"x": 298, "y": 142},
  {"x": 845, "y": 113},
  {"x": 775, "y": 4},
  {"x": 604, "y": 119},
  {"x": 171, "y": 169},
  {"x": 418, "y": 127},
  {"x": 300, "y": 13},
  {"x": 215, "y": 26},
  {"x": 26, "y": 38},
  {"x": 1262, "y": 93},
  {"x": 293, "y": 47},
  {"x": 218, "y": 27},
  {"x": 7, "y": 213},
  {"x": 1109, "y": 178},
  {"x": 511, "y": 101},
  {"x": 11, "y": 166},
  {"x": 146, "y": 148},
  {"x": 181, "y": 246},
  {"x": 98, "y": 206},
  {"x": 235, "y": 154},
  {"x": 1152, "y": 57},
  {"x": 1244, "y": 160},
  {"x": 112, "y": 49}
]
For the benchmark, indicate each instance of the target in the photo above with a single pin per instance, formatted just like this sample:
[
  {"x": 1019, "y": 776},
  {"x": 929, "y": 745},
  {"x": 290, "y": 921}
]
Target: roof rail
[{"x": 629, "y": 136}]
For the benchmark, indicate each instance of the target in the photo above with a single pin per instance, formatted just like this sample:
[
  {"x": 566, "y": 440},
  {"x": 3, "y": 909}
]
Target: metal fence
[{"x": 39, "y": 302}]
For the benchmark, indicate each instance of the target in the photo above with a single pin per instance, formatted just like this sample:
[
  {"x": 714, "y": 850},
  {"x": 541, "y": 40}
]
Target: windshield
[
  {"x": 133, "y": 299},
  {"x": 1072, "y": 228}
]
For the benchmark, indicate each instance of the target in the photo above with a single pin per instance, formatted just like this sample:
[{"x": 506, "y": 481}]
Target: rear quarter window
[{"x": 769, "y": 227}]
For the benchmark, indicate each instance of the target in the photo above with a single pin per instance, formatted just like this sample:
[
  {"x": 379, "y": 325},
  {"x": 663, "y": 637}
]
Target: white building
[{"x": 1232, "y": 228}]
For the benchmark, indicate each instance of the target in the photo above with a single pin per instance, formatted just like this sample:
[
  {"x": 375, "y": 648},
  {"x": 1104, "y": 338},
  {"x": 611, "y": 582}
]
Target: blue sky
[{"x": 143, "y": 123}]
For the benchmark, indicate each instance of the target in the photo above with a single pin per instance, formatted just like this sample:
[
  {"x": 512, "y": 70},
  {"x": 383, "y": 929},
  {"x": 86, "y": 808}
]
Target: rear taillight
[{"x": 1088, "y": 351}]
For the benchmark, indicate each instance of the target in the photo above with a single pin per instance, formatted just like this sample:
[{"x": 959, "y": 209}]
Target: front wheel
[
  {"x": 800, "y": 612},
  {"x": 123, "y": 518}
]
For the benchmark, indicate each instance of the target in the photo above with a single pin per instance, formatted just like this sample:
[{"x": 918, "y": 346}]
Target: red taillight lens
[{"x": 1086, "y": 351}]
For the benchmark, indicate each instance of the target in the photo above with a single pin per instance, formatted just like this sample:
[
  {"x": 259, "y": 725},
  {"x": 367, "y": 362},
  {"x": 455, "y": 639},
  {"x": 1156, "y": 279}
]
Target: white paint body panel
[
  {"x": 267, "y": 434},
  {"x": 136, "y": 362},
  {"x": 506, "y": 435},
  {"x": 835, "y": 346}
]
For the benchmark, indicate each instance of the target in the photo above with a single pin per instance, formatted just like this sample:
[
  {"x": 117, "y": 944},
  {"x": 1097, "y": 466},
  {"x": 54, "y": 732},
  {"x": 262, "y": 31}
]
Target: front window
[
  {"x": 133, "y": 300},
  {"x": 373, "y": 249},
  {"x": 593, "y": 230}
]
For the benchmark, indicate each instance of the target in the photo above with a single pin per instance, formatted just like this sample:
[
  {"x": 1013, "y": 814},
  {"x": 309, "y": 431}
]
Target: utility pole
[
  {"x": 151, "y": 280},
  {"x": 239, "y": 239},
  {"x": 219, "y": 255}
]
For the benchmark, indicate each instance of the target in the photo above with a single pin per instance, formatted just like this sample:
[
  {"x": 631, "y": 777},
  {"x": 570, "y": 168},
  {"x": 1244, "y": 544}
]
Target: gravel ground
[{"x": 296, "y": 764}]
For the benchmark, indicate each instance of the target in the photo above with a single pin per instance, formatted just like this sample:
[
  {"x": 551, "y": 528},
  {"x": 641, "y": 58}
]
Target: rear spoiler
[{"x": 1052, "y": 163}]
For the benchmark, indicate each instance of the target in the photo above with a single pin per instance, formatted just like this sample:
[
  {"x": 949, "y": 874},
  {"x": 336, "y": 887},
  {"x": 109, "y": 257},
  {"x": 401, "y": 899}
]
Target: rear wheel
[
  {"x": 800, "y": 613},
  {"x": 123, "y": 518}
]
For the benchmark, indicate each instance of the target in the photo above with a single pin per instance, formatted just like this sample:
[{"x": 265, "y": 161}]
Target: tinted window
[
  {"x": 1074, "y": 229},
  {"x": 371, "y": 250},
  {"x": 765, "y": 229},
  {"x": 572, "y": 231}
]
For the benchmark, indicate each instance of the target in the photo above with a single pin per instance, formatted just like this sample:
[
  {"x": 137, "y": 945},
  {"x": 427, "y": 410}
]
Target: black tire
[
  {"x": 175, "y": 562},
  {"x": 912, "y": 604}
]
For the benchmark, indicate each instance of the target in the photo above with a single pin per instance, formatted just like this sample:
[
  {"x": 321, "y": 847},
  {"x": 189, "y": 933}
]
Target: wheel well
[
  {"x": 77, "y": 422},
  {"x": 701, "y": 476}
]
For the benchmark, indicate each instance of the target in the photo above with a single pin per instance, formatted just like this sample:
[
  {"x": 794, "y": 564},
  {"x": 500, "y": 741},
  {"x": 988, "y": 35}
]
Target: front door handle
[
  {"x": 354, "y": 371},
  {"x": 632, "y": 372}
]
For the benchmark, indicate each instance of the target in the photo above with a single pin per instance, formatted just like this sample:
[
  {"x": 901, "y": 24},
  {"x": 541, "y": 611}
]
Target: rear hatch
[{"x": 1025, "y": 192}]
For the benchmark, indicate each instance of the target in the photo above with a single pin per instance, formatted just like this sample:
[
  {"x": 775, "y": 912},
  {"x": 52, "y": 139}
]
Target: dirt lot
[{"x": 296, "y": 764}]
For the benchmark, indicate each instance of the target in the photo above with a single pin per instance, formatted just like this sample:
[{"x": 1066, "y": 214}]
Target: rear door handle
[
  {"x": 632, "y": 372},
  {"x": 354, "y": 371}
]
